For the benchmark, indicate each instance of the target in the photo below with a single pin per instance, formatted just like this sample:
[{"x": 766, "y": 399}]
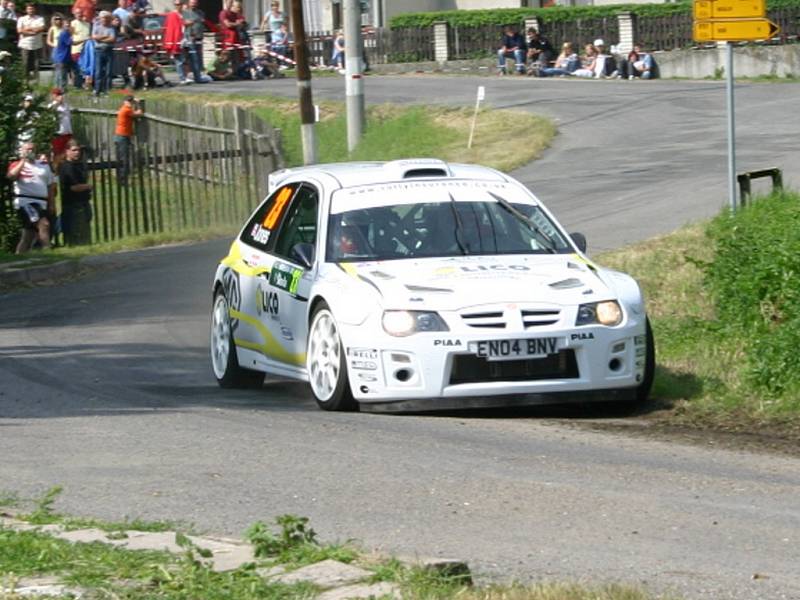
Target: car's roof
[{"x": 354, "y": 174}]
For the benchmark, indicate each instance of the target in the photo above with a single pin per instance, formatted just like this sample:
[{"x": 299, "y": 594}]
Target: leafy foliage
[
  {"x": 516, "y": 16},
  {"x": 294, "y": 532},
  {"x": 12, "y": 90},
  {"x": 754, "y": 282}
]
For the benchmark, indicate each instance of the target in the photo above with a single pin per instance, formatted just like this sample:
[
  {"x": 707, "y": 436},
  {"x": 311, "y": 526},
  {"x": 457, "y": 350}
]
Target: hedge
[{"x": 515, "y": 16}]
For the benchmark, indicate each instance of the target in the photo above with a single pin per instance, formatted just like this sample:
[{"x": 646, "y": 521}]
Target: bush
[
  {"x": 516, "y": 16},
  {"x": 12, "y": 90},
  {"x": 753, "y": 279}
]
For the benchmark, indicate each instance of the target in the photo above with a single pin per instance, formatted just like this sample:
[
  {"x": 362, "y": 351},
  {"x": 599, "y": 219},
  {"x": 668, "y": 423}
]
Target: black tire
[
  {"x": 326, "y": 363},
  {"x": 643, "y": 390},
  {"x": 224, "y": 363}
]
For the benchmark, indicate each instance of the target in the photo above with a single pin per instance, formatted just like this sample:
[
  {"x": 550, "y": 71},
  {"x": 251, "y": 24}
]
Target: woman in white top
[{"x": 587, "y": 70}]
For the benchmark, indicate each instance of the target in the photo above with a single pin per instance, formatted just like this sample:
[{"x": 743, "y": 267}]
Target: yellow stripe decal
[
  {"x": 585, "y": 261},
  {"x": 235, "y": 261},
  {"x": 271, "y": 347},
  {"x": 349, "y": 269}
]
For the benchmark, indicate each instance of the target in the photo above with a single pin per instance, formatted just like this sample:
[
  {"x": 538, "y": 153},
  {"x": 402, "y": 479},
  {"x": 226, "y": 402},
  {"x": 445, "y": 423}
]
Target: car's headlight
[
  {"x": 401, "y": 323},
  {"x": 605, "y": 313}
]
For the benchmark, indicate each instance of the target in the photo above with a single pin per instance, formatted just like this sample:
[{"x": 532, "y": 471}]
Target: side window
[
  {"x": 259, "y": 232},
  {"x": 300, "y": 223}
]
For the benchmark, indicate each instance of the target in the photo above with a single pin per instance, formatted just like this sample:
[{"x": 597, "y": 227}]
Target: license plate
[{"x": 514, "y": 349}]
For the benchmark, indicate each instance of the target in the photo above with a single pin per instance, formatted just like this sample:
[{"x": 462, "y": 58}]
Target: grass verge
[
  {"x": 395, "y": 132},
  {"x": 103, "y": 570},
  {"x": 704, "y": 373},
  {"x": 39, "y": 257}
]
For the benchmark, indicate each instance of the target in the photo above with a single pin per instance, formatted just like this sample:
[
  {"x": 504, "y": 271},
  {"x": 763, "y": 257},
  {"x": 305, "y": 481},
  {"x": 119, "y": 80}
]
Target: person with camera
[
  {"x": 123, "y": 135},
  {"x": 34, "y": 197}
]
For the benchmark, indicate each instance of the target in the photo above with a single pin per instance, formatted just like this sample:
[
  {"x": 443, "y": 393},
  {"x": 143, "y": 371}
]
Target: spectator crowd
[
  {"x": 534, "y": 55},
  {"x": 90, "y": 49}
]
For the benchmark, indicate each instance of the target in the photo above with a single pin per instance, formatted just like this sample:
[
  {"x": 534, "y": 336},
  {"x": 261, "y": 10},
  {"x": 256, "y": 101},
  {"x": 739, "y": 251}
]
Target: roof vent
[{"x": 418, "y": 167}]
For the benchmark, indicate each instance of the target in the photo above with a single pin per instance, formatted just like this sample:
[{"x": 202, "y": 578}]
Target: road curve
[{"x": 105, "y": 389}]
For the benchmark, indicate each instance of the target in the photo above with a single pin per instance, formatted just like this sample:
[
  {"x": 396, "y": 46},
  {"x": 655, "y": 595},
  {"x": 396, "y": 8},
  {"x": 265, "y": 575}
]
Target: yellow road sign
[
  {"x": 728, "y": 9},
  {"x": 735, "y": 30}
]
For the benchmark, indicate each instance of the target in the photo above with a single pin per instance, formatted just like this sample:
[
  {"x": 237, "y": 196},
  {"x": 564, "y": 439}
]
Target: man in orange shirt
[{"x": 131, "y": 109}]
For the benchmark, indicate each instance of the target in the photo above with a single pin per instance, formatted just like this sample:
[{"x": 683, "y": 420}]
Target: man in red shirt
[{"x": 131, "y": 109}]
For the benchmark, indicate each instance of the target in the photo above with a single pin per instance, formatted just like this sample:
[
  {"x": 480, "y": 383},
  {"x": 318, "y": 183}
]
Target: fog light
[
  {"x": 402, "y": 375},
  {"x": 615, "y": 364}
]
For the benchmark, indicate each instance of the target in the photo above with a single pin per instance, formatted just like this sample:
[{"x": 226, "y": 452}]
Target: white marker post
[{"x": 481, "y": 96}]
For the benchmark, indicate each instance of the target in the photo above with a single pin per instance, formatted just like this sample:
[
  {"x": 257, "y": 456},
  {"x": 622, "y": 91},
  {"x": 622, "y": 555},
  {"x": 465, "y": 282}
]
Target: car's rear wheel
[
  {"x": 223, "y": 350},
  {"x": 325, "y": 362},
  {"x": 643, "y": 390}
]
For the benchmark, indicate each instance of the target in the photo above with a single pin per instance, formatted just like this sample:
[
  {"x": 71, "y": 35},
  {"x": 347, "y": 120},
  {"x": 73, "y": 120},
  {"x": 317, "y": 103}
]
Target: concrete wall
[{"x": 750, "y": 61}]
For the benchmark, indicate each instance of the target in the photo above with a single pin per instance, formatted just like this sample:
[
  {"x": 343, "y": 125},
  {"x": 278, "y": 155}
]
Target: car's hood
[{"x": 456, "y": 283}]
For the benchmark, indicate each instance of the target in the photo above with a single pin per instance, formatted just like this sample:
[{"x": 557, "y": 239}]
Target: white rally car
[{"x": 423, "y": 285}]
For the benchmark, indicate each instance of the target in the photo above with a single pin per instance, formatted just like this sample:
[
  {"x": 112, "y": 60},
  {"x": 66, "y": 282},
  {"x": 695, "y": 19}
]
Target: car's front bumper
[{"x": 435, "y": 371}]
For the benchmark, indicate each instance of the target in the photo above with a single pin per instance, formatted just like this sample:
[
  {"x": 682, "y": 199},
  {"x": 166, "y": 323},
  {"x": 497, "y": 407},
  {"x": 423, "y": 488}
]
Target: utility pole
[
  {"x": 354, "y": 76},
  {"x": 307, "y": 132}
]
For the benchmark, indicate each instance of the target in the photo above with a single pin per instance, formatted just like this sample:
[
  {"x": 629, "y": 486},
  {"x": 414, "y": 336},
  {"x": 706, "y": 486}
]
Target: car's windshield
[{"x": 434, "y": 229}]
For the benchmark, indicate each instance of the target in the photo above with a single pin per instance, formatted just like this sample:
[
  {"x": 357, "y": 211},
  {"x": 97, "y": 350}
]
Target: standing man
[
  {"x": 104, "y": 36},
  {"x": 34, "y": 197},
  {"x": 123, "y": 136},
  {"x": 29, "y": 29},
  {"x": 194, "y": 24},
  {"x": 173, "y": 39},
  {"x": 76, "y": 212},
  {"x": 513, "y": 45},
  {"x": 122, "y": 13},
  {"x": 8, "y": 10}
]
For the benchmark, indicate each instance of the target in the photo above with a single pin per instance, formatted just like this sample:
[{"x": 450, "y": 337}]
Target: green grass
[
  {"x": 38, "y": 257},
  {"x": 705, "y": 372},
  {"x": 394, "y": 132}
]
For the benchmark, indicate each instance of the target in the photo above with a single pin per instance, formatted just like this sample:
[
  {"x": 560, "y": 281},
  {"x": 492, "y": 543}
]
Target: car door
[
  {"x": 274, "y": 281},
  {"x": 291, "y": 276},
  {"x": 257, "y": 315}
]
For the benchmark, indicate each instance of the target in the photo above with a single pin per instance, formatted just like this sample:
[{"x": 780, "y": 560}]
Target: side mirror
[
  {"x": 303, "y": 253},
  {"x": 579, "y": 240}
]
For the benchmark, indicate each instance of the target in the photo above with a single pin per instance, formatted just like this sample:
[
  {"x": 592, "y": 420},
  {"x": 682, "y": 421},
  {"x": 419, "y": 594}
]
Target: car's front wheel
[
  {"x": 643, "y": 390},
  {"x": 325, "y": 361},
  {"x": 223, "y": 350}
]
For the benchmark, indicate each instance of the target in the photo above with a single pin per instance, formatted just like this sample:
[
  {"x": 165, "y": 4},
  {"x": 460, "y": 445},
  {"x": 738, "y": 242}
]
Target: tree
[{"x": 12, "y": 91}]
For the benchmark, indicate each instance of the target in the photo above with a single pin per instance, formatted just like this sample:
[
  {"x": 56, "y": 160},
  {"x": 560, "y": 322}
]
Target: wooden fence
[{"x": 191, "y": 166}]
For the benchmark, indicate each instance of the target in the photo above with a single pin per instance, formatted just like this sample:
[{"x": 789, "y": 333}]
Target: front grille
[
  {"x": 539, "y": 318},
  {"x": 485, "y": 320},
  {"x": 468, "y": 368}
]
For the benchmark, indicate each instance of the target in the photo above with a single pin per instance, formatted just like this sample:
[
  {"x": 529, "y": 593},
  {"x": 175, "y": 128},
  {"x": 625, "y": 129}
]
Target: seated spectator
[
  {"x": 266, "y": 66},
  {"x": 638, "y": 64},
  {"x": 513, "y": 46},
  {"x": 540, "y": 52},
  {"x": 566, "y": 63},
  {"x": 588, "y": 62},
  {"x": 223, "y": 67},
  {"x": 605, "y": 66},
  {"x": 146, "y": 73}
]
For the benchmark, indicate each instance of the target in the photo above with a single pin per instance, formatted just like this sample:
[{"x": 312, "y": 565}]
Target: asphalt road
[
  {"x": 105, "y": 388},
  {"x": 632, "y": 159}
]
